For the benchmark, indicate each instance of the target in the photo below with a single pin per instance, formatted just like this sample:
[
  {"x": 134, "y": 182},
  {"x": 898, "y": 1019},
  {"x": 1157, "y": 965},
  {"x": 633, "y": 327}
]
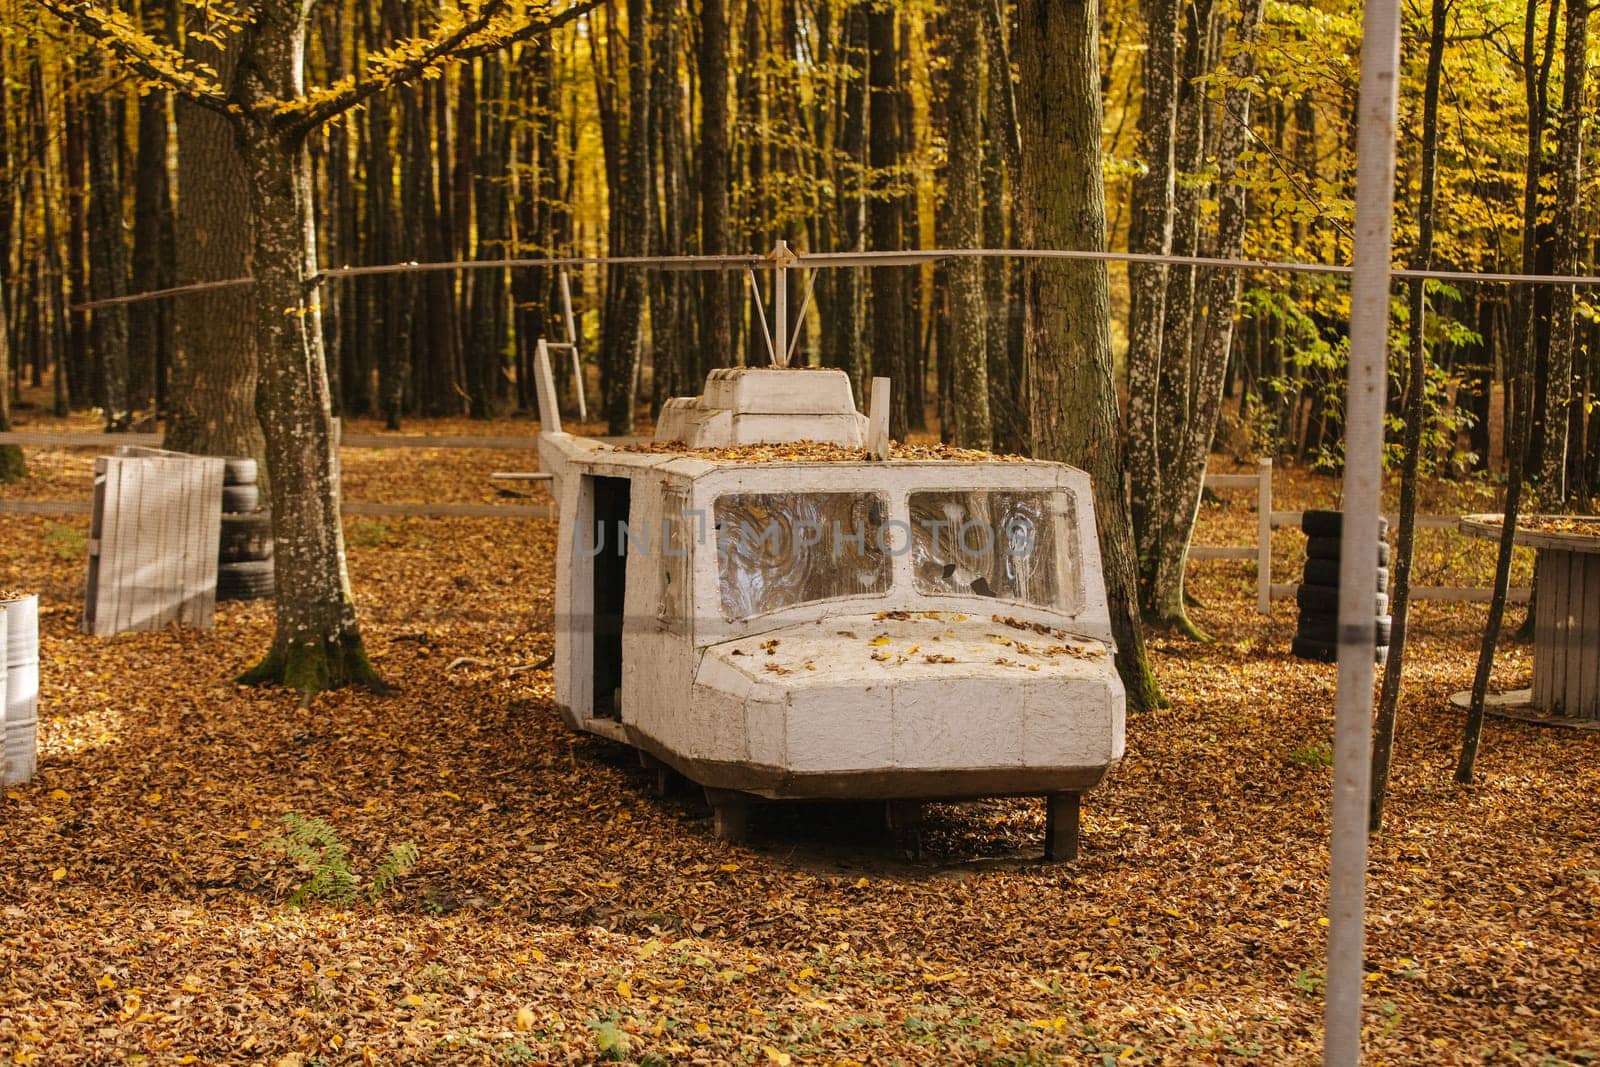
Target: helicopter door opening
[{"x": 611, "y": 499}]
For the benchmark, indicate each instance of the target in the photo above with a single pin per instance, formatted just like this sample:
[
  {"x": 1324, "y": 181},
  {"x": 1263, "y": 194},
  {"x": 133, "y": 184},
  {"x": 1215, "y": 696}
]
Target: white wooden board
[{"x": 153, "y": 543}]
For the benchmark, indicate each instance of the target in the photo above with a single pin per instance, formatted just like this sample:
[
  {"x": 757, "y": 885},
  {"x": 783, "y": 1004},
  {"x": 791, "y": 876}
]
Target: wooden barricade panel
[{"x": 153, "y": 542}]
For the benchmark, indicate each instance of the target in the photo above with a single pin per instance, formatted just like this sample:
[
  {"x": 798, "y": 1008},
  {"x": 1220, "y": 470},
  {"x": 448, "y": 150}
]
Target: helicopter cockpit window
[
  {"x": 997, "y": 543},
  {"x": 777, "y": 550}
]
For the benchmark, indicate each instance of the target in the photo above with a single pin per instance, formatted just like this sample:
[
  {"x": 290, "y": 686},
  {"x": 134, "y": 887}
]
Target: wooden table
[{"x": 1566, "y": 624}]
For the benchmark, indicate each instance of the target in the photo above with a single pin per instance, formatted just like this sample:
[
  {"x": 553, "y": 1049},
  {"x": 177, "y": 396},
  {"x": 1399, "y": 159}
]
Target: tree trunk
[
  {"x": 1062, "y": 197},
  {"x": 1150, "y": 231},
  {"x": 14, "y": 181},
  {"x": 1184, "y": 473},
  {"x": 1172, "y": 386},
  {"x": 1568, "y": 228},
  {"x": 1008, "y": 406},
  {"x": 843, "y": 326},
  {"x": 108, "y": 262},
  {"x": 890, "y": 347},
  {"x": 487, "y": 338},
  {"x": 716, "y": 319},
  {"x": 150, "y": 321},
  {"x": 213, "y": 399},
  {"x": 317, "y": 644},
  {"x": 12, "y": 467},
  {"x": 76, "y": 359},
  {"x": 50, "y": 305},
  {"x": 438, "y": 385},
  {"x": 1519, "y": 389},
  {"x": 331, "y": 164},
  {"x": 1415, "y": 408},
  {"x": 619, "y": 347},
  {"x": 388, "y": 324},
  {"x": 418, "y": 218},
  {"x": 964, "y": 208},
  {"x": 461, "y": 216},
  {"x": 752, "y": 204},
  {"x": 948, "y": 51},
  {"x": 915, "y": 353},
  {"x": 668, "y": 345}
]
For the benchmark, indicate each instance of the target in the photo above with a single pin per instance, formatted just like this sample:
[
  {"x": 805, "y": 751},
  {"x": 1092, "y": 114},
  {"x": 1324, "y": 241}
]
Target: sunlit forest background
[{"x": 835, "y": 134}]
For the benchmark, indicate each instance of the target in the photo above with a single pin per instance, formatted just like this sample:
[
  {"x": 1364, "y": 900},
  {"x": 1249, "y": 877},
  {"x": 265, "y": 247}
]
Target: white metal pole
[
  {"x": 572, "y": 340},
  {"x": 800, "y": 318},
  {"x": 780, "y": 325},
  {"x": 761, "y": 313},
  {"x": 566, "y": 308},
  {"x": 1358, "y": 549}
]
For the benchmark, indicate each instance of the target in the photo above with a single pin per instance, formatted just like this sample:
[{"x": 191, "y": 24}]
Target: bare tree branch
[
  {"x": 113, "y": 32},
  {"x": 458, "y": 44}
]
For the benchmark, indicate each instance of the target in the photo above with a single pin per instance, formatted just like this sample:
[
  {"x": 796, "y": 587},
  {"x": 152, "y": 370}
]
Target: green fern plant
[
  {"x": 401, "y": 858},
  {"x": 317, "y": 850}
]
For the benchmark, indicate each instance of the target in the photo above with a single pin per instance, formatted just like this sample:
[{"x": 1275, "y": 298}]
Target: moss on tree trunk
[{"x": 313, "y": 666}]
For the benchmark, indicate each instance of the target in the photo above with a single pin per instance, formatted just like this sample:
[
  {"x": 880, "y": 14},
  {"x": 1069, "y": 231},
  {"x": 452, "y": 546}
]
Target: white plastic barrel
[
  {"x": 3, "y": 761},
  {"x": 21, "y": 688}
]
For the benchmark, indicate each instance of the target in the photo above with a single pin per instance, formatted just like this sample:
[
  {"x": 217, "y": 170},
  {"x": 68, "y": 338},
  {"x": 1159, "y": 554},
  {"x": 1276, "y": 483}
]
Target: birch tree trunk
[
  {"x": 1150, "y": 231},
  {"x": 1062, "y": 201},
  {"x": 1568, "y": 223},
  {"x": 1172, "y": 386},
  {"x": 1219, "y": 297}
]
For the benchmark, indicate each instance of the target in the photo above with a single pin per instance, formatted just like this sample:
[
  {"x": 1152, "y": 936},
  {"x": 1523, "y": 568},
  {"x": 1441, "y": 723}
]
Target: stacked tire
[
  {"x": 244, "y": 556},
  {"x": 1317, "y": 636}
]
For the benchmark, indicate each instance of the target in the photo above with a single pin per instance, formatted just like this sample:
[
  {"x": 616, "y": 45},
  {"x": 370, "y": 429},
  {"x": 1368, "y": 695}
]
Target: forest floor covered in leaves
[{"x": 561, "y": 912}]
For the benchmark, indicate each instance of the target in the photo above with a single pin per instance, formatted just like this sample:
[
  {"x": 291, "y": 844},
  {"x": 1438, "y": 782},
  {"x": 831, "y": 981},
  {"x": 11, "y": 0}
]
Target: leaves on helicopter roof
[{"x": 817, "y": 452}]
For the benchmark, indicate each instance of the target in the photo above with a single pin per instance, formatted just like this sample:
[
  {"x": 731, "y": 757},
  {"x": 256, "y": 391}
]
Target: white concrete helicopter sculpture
[{"x": 759, "y": 604}]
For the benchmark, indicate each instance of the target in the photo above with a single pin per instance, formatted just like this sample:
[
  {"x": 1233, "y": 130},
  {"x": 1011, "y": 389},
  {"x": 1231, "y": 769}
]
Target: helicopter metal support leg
[
  {"x": 903, "y": 820},
  {"x": 1061, "y": 826},
  {"x": 730, "y": 813},
  {"x": 664, "y": 775}
]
